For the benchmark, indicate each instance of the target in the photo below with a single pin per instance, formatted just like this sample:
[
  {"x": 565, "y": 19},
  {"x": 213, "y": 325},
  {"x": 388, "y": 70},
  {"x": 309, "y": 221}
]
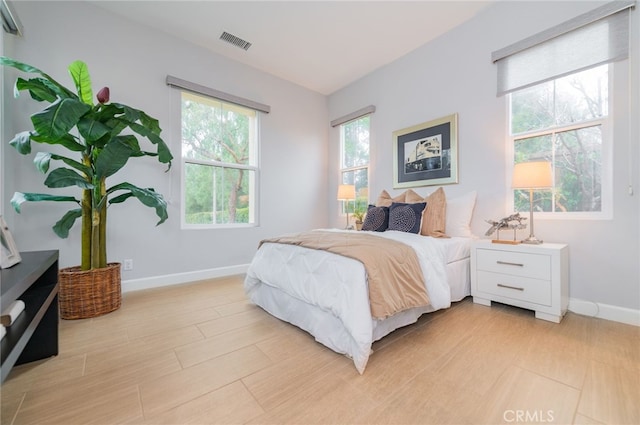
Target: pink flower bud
[{"x": 103, "y": 95}]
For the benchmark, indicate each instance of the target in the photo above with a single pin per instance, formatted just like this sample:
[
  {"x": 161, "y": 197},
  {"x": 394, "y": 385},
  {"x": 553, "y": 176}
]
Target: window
[
  {"x": 220, "y": 162},
  {"x": 354, "y": 162},
  {"x": 564, "y": 121},
  {"x": 558, "y": 81}
]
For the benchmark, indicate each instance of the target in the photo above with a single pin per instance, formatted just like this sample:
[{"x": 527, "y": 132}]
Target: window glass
[
  {"x": 562, "y": 122},
  {"x": 583, "y": 96},
  {"x": 219, "y": 156},
  {"x": 354, "y": 154},
  {"x": 359, "y": 178},
  {"x": 355, "y": 143}
]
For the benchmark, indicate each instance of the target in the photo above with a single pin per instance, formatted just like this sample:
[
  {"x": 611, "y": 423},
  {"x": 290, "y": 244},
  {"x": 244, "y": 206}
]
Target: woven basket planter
[{"x": 89, "y": 293}]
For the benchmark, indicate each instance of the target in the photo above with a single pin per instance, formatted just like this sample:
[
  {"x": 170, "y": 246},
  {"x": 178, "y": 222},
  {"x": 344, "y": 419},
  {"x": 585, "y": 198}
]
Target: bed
[{"x": 328, "y": 295}]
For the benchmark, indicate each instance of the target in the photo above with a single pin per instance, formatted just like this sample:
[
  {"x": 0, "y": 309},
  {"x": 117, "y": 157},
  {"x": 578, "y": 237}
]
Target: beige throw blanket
[{"x": 395, "y": 279}]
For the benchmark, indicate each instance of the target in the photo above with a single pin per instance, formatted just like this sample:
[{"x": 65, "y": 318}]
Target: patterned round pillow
[
  {"x": 377, "y": 219},
  {"x": 406, "y": 217}
]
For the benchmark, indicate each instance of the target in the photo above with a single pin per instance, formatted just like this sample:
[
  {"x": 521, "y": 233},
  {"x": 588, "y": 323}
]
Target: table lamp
[
  {"x": 346, "y": 193},
  {"x": 532, "y": 175}
]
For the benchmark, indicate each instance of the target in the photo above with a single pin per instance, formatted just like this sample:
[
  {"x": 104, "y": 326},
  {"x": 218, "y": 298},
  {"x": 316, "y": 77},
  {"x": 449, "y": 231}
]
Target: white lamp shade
[
  {"x": 532, "y": 175},
  {"x": 346, "y": 192}
]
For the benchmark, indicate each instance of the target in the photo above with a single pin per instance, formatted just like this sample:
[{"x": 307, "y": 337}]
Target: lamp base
[{"x": 532, "y": 240}]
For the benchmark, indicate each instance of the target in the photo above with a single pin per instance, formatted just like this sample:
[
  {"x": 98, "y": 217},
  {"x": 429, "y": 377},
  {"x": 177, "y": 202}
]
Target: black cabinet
[{"x": 34, "y": 334}]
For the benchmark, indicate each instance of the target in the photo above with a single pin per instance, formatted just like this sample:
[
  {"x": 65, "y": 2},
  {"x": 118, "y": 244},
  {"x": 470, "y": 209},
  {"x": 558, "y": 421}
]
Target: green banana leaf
[
  {"x": 93, "y": 130},
  {"x": 80, "y": 74},
  {"x": 59, "y": 118},
  {"x": 115, "y": 155},
  {"x": 22, "y": 142},
  {"x": 38, "y": 89},
  {"x": 20, "y": 198},
  {"x": 148, "y": 197},
  {"x": 61, "y": 90},
  {"x": 64, "y": 225},
  {"x": 164, "y": 154},
  {"x": 64, "y": 177},
  {"x": 68, "y": 141},
  {"x": 43, "y": 159}
]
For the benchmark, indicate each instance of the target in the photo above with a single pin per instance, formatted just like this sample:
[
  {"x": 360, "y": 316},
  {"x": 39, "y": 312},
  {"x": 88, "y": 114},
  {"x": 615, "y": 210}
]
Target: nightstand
[{"x": 535, "y": 277}]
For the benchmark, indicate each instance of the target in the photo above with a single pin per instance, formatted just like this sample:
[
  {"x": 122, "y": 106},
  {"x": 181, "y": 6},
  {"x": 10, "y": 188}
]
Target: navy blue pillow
[
  {"x": 377, "y": 219},
  {"x": 406, "y": 217}
]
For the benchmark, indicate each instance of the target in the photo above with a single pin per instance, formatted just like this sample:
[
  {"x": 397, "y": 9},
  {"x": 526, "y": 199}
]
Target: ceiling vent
[{"x": 236, "y": 41}]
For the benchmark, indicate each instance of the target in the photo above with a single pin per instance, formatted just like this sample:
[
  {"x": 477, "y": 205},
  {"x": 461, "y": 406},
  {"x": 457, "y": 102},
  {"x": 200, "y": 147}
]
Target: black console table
[{"x": 34, "y": 334}]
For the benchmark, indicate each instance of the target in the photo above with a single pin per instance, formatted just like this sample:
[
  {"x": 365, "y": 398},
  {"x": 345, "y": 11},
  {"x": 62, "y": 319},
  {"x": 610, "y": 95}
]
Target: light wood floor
[{"x": 199, "y": 353}]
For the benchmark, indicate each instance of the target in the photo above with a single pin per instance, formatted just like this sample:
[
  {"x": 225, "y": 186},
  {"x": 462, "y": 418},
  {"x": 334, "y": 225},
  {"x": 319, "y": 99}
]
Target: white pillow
[{"x": 459, "y": 212}]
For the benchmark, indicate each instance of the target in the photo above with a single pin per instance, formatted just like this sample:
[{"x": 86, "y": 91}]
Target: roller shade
[
  {"x": 353, "y": 116},
  {"x": 591, "y": 39},
  {"x": 199, "y": 89}
]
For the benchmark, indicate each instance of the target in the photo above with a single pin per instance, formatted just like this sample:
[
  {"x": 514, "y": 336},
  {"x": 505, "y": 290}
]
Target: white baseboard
[
  {"x": 605, "y": 311},
  {"x": 178, "y": 278}
]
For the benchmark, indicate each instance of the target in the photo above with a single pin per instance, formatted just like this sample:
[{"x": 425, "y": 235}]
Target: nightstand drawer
[
  {"x": 534, "y": 266},
  {"x": 515, "y": 287}
]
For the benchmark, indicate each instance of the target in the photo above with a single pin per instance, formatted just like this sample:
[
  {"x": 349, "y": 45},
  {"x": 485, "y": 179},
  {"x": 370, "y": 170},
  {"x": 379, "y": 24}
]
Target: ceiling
[{"x": 320, "y": 45}]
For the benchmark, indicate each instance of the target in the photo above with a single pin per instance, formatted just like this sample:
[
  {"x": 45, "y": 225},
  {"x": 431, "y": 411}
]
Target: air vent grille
[{"x": 236, "y": 41}]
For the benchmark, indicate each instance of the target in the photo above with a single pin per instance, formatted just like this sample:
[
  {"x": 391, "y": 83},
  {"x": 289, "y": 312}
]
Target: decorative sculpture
[{"x": 513, "y": 222}]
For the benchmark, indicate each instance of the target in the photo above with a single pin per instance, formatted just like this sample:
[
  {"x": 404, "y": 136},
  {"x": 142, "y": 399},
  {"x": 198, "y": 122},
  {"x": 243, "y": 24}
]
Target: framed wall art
[
  {"x": 426, "y": 154},
  {"x": 9, "y": 254}
]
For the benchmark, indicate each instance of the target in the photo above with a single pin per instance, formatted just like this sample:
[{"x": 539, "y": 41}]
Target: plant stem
[
  {"x": 102, "y": 255},
  {"x": 86, "y": 230},
  {"x": 95, "y": 238}
]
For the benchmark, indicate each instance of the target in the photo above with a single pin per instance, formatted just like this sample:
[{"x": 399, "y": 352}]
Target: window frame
[
  {"x": 606, "y": 178},
  {"x": 255, "y": 168}
]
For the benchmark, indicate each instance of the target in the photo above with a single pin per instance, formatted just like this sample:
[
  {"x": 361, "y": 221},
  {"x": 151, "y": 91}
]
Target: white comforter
[{"x": 306, "y": 287}]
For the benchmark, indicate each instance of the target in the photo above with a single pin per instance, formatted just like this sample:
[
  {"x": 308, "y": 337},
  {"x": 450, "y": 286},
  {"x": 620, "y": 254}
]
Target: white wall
[
  {"x": 454, "y": 74},
  {"x": 134, "y": 62}
]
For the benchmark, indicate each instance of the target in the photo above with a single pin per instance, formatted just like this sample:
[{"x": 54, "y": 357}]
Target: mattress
[
  {"x": 457, "y": 248},
  {"x": 326, "y": 294}
]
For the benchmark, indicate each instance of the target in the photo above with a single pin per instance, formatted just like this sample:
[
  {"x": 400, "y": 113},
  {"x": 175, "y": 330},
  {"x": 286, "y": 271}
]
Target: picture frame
[
  {"x": 426, "y": 154},
  {"x": 9, "y": 254}
]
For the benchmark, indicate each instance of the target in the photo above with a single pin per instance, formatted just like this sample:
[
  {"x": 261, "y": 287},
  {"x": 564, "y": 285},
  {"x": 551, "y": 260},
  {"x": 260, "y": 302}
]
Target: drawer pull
[
  {"x": 506, "y": 263},
  {"x": 510, "y": 287}
]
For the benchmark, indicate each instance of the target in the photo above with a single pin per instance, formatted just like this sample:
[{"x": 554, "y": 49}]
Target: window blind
[
  {"x": 591, "y": 39},
  {"x": 353, "y": 116},
  {"x": 199, "y": 89},
  {"x": 10, "y": 21}
]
